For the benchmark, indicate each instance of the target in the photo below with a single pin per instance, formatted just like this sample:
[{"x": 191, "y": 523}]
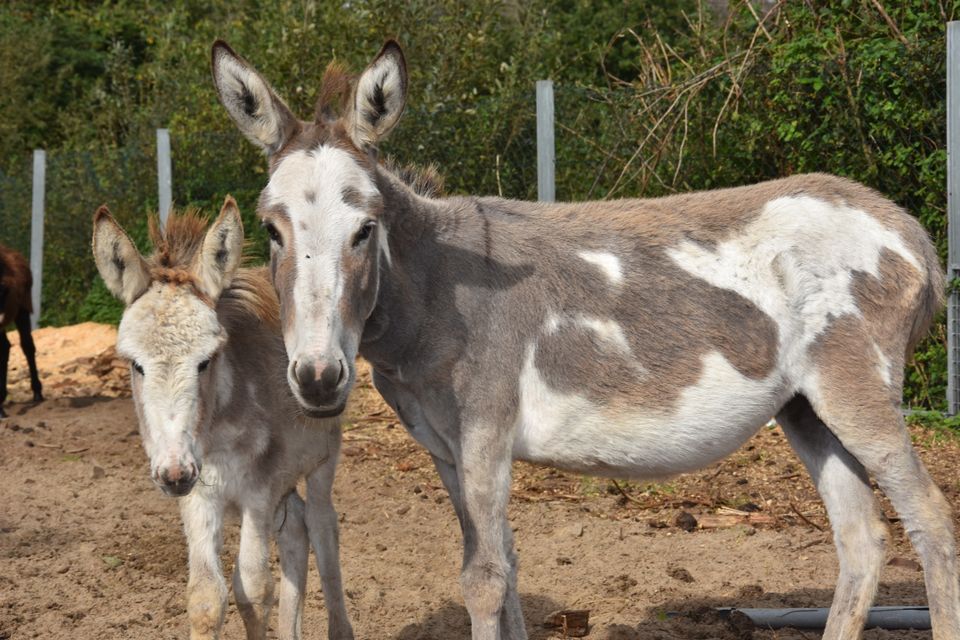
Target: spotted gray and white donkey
[
  {"x": 218, "y": 421},
  {"x": 630, "y": 338}
]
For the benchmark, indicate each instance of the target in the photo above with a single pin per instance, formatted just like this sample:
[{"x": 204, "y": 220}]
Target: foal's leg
[
  {"x": 511, "y": 616},
  {"x": 325, "y": 539},
  {"x": 484, "y": 474},
  {"x": 858, "y": 526},
  {"x": 252, "y": 580},
  {"x": 4, "y": 361},
  {"x": 30, "y": 352},
  {"x": 206, "y": 589},
  {"x": 294, "y": 548},
  {"x": 858, "y": 410}
]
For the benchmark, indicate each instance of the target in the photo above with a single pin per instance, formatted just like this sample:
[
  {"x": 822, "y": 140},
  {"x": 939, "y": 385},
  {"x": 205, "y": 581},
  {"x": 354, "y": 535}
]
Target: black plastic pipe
[{"x": 878, "y": 618}]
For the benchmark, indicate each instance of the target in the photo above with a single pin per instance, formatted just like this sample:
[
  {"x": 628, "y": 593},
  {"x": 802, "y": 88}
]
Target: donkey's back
[{"x": 658, "y": 334}]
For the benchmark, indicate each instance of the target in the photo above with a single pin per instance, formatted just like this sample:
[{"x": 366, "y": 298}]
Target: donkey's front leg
[
  {"x": 206, "y": 589},
  {"x": 252, "y": 580},
  {"x": 511, "y": 617},
  {"x": 484, "y": 474},
  {"x": 325, "y": 539},
  {"x": 294, "y": 548}
]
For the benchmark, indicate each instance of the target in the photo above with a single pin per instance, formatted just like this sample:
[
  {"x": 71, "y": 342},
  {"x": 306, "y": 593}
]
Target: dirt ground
[{"x": 91, "y": 549}]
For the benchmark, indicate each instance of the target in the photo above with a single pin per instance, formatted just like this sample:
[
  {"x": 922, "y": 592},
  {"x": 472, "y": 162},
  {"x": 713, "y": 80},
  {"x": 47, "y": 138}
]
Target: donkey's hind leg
[
  {"x": 294, "y": 548},
  {"x": 859, "y": 530},
  {"x": 856, "y": 406},
  {"x": 30, "y": 352},
  {"x": 4, "y": 361}
]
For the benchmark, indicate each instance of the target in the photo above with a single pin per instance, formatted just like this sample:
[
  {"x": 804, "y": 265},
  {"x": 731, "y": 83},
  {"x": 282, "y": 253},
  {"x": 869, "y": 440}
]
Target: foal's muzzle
[
  {"x": 321, "y": 385},
  {"x": 177, "y": 481}
]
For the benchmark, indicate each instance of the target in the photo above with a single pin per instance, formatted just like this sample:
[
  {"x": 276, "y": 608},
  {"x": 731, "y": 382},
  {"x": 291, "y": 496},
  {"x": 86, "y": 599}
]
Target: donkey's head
[
  {"x": 170, "y": 331},
  {"x": 322, "y": 210}
]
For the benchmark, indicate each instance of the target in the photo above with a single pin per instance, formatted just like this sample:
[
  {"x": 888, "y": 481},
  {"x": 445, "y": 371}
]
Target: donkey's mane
[
  {"x": 176, "y": 248},
  {"x": 251, "y": 294},
  {"x": 425, "y": 181},
  {"x": 335, "y": 90}
]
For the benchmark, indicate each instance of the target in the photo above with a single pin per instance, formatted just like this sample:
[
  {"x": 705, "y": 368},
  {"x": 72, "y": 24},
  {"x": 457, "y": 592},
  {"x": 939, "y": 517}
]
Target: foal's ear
[
  {"x": 251, "y": 101},
  {"x": 221, "y": 251},
  {"x": 121, "y": 266},
  {"x": 379, "y": 98}
]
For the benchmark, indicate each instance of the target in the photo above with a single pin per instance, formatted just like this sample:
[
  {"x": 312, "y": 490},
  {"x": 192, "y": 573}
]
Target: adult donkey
[
  {"x": 219, "y": 424},
  {"x": 628, "y": 338},
  {"x": 16, "y": 307}
]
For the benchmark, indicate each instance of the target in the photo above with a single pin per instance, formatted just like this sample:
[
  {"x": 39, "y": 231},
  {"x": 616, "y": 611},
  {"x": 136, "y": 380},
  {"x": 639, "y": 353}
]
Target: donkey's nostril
[
  {"x": 331, "y": 375},
  {"x": 171, "y": 475},
  {"x": 305, "y": 373}
]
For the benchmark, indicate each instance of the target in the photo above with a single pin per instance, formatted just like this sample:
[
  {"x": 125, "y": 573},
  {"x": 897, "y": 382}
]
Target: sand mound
[{"x": 75, "y": 361}]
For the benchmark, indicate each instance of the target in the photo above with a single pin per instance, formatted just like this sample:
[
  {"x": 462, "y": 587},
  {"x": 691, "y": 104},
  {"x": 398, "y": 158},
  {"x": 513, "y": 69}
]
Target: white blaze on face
[
  {"x": 309, "y": 185},
  {"x": 168, "y": 333}
]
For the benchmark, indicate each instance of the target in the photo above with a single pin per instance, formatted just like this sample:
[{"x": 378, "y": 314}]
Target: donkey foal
[
  {"x": 16, "y": 306},
  {"x": 218, "y": 421}
]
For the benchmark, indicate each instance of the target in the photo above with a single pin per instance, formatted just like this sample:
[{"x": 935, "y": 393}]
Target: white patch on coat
[
  {"x": 711, "y": 420},
  {"x": 795, "y": 262},
  {"x": 883, "y": 365},
  {"x": 322, "y": 228},
  {"x": 608, "y": 263},
  {"x": 604, "y": 330}
]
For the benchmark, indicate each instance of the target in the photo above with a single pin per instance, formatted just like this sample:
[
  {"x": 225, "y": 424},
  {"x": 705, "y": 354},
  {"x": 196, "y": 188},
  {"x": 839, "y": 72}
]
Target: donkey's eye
[
  {"x": 137, "y": 367},
  {"x": 203, "y": 366},
  {"x": 273, "y": 233},
  {"x": 364, "y": 232}
]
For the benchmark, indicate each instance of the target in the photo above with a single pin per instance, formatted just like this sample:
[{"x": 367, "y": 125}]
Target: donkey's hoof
[
  {"x": 3, "y": 414},
  {"x": 38, "y": 397}
]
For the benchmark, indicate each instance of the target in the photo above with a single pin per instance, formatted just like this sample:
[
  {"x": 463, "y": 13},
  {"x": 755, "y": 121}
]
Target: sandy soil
[{"x": 91, "y": 549}]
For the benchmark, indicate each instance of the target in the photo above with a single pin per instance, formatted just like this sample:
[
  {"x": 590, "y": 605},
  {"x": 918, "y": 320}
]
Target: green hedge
[{"x": 650, "y": 100}]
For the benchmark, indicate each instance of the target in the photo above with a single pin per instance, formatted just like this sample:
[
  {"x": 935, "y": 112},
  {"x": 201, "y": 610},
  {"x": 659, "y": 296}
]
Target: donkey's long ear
[
  {"x": 251, "y": 101},
  {"x": 379, "y": 98},
  {"x": 121, "y": 266},
  {"x": 221, "y": 252}
]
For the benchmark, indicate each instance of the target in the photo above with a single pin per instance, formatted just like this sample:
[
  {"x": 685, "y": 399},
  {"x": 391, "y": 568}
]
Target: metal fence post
[
  {"x": 546, "y": 190},
  {"x": 953, "y": 214},
  {"x": 164, "y": 175},
  {"x": 36, "y": 231}
]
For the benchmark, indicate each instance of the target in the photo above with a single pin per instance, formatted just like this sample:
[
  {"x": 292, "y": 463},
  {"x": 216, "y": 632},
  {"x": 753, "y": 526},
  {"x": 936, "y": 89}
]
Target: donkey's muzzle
[
  {"x": 177, "y": 481},
  {"x": 322, "y": 383}
]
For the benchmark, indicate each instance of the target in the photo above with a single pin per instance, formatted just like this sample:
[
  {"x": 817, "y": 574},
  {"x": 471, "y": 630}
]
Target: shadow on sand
[{"x": 697, "y": 618}]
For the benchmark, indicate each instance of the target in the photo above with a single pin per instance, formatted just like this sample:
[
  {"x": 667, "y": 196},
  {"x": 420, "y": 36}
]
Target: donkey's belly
[{"x": 710, "y": 420}]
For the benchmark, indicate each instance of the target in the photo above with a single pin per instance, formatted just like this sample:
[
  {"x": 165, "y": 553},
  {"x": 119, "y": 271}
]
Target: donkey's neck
[
  {"x": 392, "y": 327},
  {"x": 448, "y": 259}
]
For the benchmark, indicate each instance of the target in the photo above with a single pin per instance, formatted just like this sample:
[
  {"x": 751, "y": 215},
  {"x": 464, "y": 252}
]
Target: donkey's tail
[{"x": 931, "y": 298}]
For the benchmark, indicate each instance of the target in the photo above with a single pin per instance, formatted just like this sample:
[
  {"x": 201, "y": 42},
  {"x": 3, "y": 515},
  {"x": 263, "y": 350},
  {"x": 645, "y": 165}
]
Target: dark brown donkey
[
  {"x": 15, "y": 306},
  {"x": 630, "y": 338}
]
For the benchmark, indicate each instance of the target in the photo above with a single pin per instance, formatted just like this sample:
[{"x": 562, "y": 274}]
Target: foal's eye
[
  {"x": 364, "y": 232},
  {"x": 137, "y": 367},
  {"x": 203, "y": 366},
  {"x": 272, "y": 232}
]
